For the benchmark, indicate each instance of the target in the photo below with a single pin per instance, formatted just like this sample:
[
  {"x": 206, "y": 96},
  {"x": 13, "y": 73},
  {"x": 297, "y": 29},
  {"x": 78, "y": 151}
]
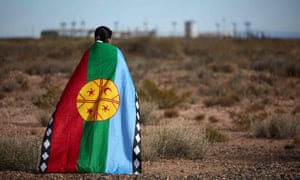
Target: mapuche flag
[{"x": 96, "y": 125}]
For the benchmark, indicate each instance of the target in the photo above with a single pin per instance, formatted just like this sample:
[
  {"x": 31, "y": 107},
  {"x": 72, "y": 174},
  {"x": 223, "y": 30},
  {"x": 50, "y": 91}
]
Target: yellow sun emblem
[{"x": 98, "y": 100}]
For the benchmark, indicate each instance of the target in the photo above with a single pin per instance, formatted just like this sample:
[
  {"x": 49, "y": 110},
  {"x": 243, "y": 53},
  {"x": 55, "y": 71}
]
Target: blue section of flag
[{"x": 122, "y": 124}]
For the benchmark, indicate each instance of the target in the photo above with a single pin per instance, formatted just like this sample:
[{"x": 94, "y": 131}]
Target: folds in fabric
[{"x": 96, "y": 124}]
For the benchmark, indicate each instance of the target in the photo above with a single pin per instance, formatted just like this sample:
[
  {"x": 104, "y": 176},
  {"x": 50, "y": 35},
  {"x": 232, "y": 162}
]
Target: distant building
[
  {"x": 90, "y": 32},
  {"x": 66, "y": 33},
  {"x": 191, "y": 29},
  {"x": 49, "y": 33}
]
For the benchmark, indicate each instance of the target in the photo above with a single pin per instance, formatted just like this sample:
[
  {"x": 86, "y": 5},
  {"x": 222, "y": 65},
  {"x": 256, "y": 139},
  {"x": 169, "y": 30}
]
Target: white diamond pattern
[
  {"x": 136, "y": 150},
  {"x": 138, "y": 138},
  {"x": 43, "y": 167},
  {"x": 136, "y": 163},
  {"x": 51, "y": 121},
  {"x": 49, "y": 131},
  {"x": 46, "y": 144},
  {"x": 45, "y": 155}
]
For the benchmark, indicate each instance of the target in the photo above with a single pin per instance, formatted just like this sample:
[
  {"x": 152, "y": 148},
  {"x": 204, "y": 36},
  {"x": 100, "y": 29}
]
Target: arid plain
[{"x": 211, "y": 108}]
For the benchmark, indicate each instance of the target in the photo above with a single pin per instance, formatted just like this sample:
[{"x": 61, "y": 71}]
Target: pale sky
[{"x": 29, "y": 17}]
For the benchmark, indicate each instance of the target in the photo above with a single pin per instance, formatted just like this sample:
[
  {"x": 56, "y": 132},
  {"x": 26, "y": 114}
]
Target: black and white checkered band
[
  {"x": 137, "y": 161},
  {"x": 45, "y": 153}
]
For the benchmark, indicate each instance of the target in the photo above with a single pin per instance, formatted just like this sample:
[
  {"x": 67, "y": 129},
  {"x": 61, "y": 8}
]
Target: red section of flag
[{"x": 68, "y": 124}]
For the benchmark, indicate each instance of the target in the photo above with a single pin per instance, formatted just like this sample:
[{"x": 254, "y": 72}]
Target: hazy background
[{"x": 29, "y": 17}]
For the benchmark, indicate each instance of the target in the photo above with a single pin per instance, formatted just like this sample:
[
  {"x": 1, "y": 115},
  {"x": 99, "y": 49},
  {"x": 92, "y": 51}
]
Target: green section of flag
[
  {"x": 102, "y": 61},
  {"x": 93, "y": 148}
]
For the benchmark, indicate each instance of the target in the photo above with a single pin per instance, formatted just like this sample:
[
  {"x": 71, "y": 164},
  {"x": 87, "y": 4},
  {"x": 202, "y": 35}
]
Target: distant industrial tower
[{"x": 190, "y": 29}]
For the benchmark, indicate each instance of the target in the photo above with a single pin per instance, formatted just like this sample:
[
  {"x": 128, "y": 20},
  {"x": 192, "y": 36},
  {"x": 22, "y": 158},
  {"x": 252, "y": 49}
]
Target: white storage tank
[{"x": 191, "y": 29}]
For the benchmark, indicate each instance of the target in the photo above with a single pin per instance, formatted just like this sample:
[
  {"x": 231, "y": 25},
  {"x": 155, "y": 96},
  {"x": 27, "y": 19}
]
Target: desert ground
[{"x": 211, "y": 108}]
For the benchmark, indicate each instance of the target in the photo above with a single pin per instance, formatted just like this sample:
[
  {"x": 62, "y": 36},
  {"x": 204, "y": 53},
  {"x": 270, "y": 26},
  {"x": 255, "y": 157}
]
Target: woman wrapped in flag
[{"x": 96, "y": 125}]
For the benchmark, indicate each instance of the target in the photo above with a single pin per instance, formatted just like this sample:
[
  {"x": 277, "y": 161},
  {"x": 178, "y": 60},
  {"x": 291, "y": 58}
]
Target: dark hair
[{"x": 103, "y": 33}]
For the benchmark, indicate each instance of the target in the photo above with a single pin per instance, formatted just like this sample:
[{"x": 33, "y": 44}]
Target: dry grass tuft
[
  {"x": 165, "y": 98},
  {"x": 44, "y": 116},
  {"x": 49, "y": 66},
  {"x": 148, "y": 116},
  {"x": 171, "y": 113},
  {"x": 213, "y": 135},
  {"x": 224, "y": 101},
  {"x": 296, "y": 110},
  {"x": 15, "y": 82},
  {"x": 163, "y": 48},
  {"x": 49, "y": 99},
  {"x": 244, "y": 121},
  {"x": 178, "y": 142},
  {"x": 213, "y": 119},
  {"x": 279, "y": 126},
  {"x": 221, "y": 67},
  {"x": 19, "y": 153},
  {"x": 2, "y": 95},
  {"x": 281, "y": 66},
  {"x": 200, "y": 117},
  {"x": 297, "y": 139}
]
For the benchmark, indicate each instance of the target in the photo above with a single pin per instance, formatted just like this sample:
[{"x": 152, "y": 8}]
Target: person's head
[{"x": 103, "y": 33}]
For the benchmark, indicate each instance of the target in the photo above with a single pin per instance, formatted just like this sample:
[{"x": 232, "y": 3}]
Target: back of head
[{"x": 103, "y": 33}]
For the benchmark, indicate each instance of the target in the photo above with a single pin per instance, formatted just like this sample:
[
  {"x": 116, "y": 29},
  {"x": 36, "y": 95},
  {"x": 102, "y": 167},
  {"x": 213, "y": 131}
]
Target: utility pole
[
  {"x": 82, "y": 27},
  {"x": 234, "y": 29},
  {"x": 146, "y": 25},
  {"x": 218, "y": 29},
  {"x": 73, "y": 24},
  {"x": 224, "y": 26},
  {"x": 174, "y": 28},
  {"x": 248, "y": 29},
  {"x": 63, "y": 28}
]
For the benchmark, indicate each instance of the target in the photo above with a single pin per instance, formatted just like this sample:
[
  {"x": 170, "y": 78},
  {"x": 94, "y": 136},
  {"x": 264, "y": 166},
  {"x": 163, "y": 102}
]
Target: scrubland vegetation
[{"x": 194, "y": 93}]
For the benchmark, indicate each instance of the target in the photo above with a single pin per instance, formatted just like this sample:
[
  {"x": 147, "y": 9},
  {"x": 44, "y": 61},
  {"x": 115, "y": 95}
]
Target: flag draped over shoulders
[{"x": 96, "y": 125}]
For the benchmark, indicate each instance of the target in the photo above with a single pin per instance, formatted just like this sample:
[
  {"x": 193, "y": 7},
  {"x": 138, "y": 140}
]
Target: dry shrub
[
  {"x": 224, "y": 101},
  {"x": 278, "y": 65},
  {"x": 171, "y": 113},
  {"x": 44, "y": 116},
  {"x": 49, "y": 66},
  {"x": 16, "y": 82},
  {"x": 264, "y": 78},
  {"x": 39, "y": 56},
  {"x": 179, "y": 142},
  {"x": 255, "y": 107},
  {"x": 19, "y": 153},
  {"x": 235, "y": 88},
  {"x": 2, "y": 95},
  {"x": 49, "y": 99},
  {"x": 205, "y": 75},
  {"x": 213, "y": 119},
  {"x": 296, "y": 109},
  {"x": 224, "y": 93},
  {"x": 297, "y": 139},
  {"x": 164, "y": 48},
  {"x": 213, "y": 135},
  {"x": 165, "y": 98},
  {"x": 221, "y": 67},
  {"x": 200, "y": 117},
  {"x": 148, "y": 116},
  {"x": 9, "y": 86},
  {"x": 244, "y": 120},
  {"x": 279, "y": 126}
]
